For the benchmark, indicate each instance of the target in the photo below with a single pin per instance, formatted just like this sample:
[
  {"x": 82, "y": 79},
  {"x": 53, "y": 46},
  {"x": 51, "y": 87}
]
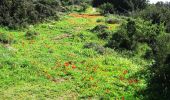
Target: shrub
[
  {"x": 134, "y": 32},
  {"x": 100, "y": 49},
  {"x": 6, "y": 38},
  {"x": 90, "y": 45},
  {"x": 99, "y": 28},
  {"x": 84, "y": 6},
  {"x": 157, "y": 14},
  {"x": 148, "y": 54},
  {"x": 168, "y": 27},
  {"x": 19, "y": 13},
  {"x": 75, "y": 5},
  {"x": 144, "y": 50},
  {"x": 162, "y": 49},
  {"x": 106, "y": 8},
  {"x": 102, "y": 31},
  {"x": 99, "y": 20},
  {"x": 105, "y": 34},
  {"x": 159, "y": 84},
  {"x": 31, "y": 35},
  {"x": 121, "y": 40},
  {"x": 121, "y": 6},
  {"x": 25, "y": 64},
  {"x": 112, "y": 21}
]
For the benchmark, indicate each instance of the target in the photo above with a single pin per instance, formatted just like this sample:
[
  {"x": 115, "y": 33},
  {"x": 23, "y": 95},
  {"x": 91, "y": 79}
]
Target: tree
[
  {"x": 123, "y": 6},
  {"x": 157, "y": 14}
]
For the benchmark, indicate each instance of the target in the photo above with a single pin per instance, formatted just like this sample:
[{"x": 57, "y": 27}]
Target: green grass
[{"x": 54, "y": 66}]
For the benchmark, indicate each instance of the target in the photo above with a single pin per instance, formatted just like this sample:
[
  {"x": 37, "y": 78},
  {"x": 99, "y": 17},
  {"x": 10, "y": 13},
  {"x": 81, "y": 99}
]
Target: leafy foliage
[
  {"x": 99, "y": 28},
  {"x": 102, "y": 31},
  {"x": 31, "y": 35},
  {"x": 6, "y": 38},
  {"x": 106, "y": 8},
  {"x": 137, "y": 33},
  {"x": 19, "y": 13},
  {"x": 134, "y": 32},
  {"x": 157, "y": 14},
  {"x": 113, "y": 21},
  {"x": 75, "y": 5},
  {"x": 100, "y": 49},
  {"x": 122, "y": 6},
  {"x": 159, "y": 84}
]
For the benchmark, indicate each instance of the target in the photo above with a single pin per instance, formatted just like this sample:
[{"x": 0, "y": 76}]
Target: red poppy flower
[
  {"x": 66, "y": 64},
  {"x": 73, "y": 66},
  {"x": 133, "y": 81}
]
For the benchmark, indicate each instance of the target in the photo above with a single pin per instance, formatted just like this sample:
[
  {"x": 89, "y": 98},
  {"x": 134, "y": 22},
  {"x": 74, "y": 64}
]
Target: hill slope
[{"x": 55, "y": 63}]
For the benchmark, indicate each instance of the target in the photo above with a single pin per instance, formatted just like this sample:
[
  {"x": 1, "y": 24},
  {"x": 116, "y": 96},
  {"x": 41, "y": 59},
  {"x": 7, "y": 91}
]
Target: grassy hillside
[{"x": 55, "y": 63}]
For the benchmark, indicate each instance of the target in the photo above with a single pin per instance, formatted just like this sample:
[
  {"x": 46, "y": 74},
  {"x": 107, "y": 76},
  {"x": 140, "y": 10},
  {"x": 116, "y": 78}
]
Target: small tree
[{"x": 107, "y": 8}]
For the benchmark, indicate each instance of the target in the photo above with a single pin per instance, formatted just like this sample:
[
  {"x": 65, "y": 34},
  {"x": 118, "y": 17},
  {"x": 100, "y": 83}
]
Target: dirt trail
[{"x": 85, "y": 15}]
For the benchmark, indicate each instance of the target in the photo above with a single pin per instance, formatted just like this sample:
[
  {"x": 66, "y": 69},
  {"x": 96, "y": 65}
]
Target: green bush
[
  {"x": 98, "y": 48},
  {"x": 90, "y": 45},
  {"x": 6, "y": 38},
  {"x": 120, "y": 6},
  {"x": 144, "y": 50},
  {"x": 106, "y": 8},
  {"x": 105, "y": 34},
  {"x": 134, "y": 32},
  {"x": 102, "y": 31},
  {"x": 99, "y": 28},
  {"x": 75, "y": 5},
  {"x": 162, "y": 49},
  {"x": 19, "y": 13},
  {"x": 99, "y": 20},
  {"x": 159, "y": 82},
  {"x": 168, "y": 27},
  {"x": 31, "y": 35},
  {"x": 157, "y": 14},
  {"x": 120, "y": 40},
  {"x": 84, "y": 6},
  {"x": 113, "y": 21}
]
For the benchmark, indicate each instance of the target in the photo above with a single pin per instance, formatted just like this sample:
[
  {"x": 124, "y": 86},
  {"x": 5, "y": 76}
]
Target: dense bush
[
  {"x": 75, "y": 5},
  {"x": 99, "y": 28},
  {"x": 6, "y": 38},
  {"x": 134, "y": 32},
  {"x": 31, "y": 35},
  {"x": 113, "y": 21},
  {"x": 168, "y": 27},
  {"x": 122, "y": 6},
  {"x": 19, "y": 13},
  {"x": 121, "y": 40},
  {"x": 106, "y": 8},
  {"x": 159, "y": 84},
  {"x": 98, "y": 48},
  {"x": 102, "y": 31},
  {"x": 155, "y": 44},
  {"x": 74, "y": 2},
  {"x": 157, "y": 14},
  {"x": 99, "y": 20}
]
